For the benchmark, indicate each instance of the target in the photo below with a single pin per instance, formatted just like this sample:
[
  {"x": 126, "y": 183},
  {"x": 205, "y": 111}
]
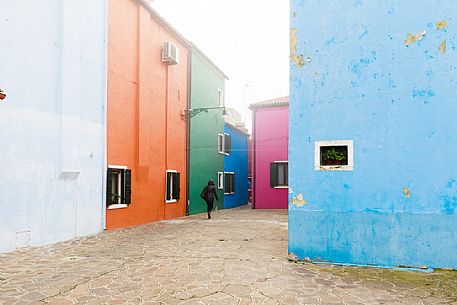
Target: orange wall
[{"x": 138, "y": 136}]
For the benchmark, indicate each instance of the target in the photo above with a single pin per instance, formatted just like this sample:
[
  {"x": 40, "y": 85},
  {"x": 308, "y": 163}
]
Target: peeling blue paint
[{"x": 374, "y": 93}]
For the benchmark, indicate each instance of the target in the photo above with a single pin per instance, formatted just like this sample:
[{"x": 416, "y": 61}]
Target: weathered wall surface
[
  {"x": 205, "y": 160},
  {"x": 145, "y": 100},
  {"x": 52, "y": 151},
  {"x": 270, "y": 140},
  {"x": 237, "y": 162},
  {"x": 357, "y": 75}
]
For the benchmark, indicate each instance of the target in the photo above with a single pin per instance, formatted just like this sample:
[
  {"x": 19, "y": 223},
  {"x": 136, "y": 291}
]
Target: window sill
[
  {"x": 171, "y": 201},
  {"x": 229, "y": 193},
  {"x": 117, "y": 206},
  {"x": 281, "y": 187},
  {"x": 324, "y": 168}
]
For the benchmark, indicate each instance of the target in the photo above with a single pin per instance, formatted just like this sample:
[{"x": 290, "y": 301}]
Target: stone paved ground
[{"x": 239, "y": 257}]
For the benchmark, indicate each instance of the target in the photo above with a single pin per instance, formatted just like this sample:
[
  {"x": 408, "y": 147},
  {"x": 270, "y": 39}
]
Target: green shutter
[
  {"x": 176, "y": 185},
  {"x": 109, "y": 183},
  {"x": 127, "y": 186},
  {"x": 233, "y": 183},
  {"x": 273, "y": 174}
]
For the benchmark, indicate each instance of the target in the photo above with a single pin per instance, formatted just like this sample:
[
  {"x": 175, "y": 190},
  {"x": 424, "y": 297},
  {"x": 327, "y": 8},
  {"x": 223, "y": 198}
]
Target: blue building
[
  {"x": 52, "y": 123},
  {"x": 234, "y": 179},
  {"x": 373, "y": 132}
]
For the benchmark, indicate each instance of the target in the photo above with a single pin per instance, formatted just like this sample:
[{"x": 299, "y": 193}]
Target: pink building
[{"x": 270, "y": 137}]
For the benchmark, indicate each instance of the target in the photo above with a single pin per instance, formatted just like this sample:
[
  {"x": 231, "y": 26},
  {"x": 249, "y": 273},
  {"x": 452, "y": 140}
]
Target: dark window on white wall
[
  {"x": 173, "y": 186},
  {"x": 119, "y": 187},
  {"x": 229, "y": 183},
  {"x": 279, "y": 174}
]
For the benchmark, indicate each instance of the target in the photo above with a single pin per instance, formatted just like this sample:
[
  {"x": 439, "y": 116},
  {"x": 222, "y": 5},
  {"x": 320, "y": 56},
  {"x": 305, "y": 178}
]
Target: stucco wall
[
  {"x": 237, "y": 162},
  {"x": 361, "y": 82},
  {"x": 146, "y": 97},
  {"x": 270, "y": 140},
  {"x": 205, "y": 160},
  {"x": 52, "y": 150}
]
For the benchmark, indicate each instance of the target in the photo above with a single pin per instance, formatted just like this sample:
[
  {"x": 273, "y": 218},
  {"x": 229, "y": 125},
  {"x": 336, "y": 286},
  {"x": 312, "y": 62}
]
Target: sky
[{"x": 247, "y": 39}]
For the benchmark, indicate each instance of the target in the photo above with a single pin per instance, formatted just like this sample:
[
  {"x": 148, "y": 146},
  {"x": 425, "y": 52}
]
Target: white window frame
[
  {"x": 317, "y": 155},
  {"x": 225, "y": 153},
  {"x": 118, "y": 205},
  {"x": 221, "y": 143},
  {"x": 282, "y": 186},
  {"x": 232, "y": 193},
  {"x": 220, "y": 180},
  {"x": 171, "y": 186},
  {"x": 220, "y": 97}
]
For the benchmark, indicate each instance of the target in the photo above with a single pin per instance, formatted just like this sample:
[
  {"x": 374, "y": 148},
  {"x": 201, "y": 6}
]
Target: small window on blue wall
[{"x": 229, "y": 183}]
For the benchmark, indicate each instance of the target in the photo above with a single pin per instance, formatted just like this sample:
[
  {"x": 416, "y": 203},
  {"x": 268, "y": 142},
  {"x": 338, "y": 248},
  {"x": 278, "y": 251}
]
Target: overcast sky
[{"x": 247, "y": 39}]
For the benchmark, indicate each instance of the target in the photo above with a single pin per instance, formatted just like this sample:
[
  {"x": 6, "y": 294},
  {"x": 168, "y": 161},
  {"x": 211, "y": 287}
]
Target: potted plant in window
[
  {"x": 333, "y": 157},
  {"x": 116, "y": 198}
]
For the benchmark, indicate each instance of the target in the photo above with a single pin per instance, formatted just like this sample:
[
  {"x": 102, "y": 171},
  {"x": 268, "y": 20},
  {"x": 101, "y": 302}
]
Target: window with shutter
[
  {"x": 176, "y": 185},
  {"x": 118, "y": 187},
  {"x": 109, "y": 187},
  {"x": 229, "y": 183},
  {"x": 279, "y": 173},
  {"x": 273, "y": 174},
  {"x": 173, "y": 186},
  {"x": 228, "y": 144},
  {"x": 220, "y": 143},
  {"x": 127, "y": 186},
  {"x": 220, "y": 180},
  {"x": 168, "y": 192}
]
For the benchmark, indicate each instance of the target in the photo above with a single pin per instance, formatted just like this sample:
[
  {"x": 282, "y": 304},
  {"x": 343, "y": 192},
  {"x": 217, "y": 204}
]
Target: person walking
[{"x": 208, "y": 194}]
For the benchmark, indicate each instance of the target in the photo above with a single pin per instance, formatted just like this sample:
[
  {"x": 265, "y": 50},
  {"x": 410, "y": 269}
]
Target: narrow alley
[{"x": 239, "y": 257}]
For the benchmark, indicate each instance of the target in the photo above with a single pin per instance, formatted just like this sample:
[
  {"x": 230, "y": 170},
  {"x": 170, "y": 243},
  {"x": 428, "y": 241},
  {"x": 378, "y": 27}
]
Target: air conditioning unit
[{"x": 170, "y": 54}]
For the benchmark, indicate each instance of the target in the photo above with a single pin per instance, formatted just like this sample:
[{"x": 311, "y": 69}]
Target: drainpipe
[{"x": 189, "y": 104}]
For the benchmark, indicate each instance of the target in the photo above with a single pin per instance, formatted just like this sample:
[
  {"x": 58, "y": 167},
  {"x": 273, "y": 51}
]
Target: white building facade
[{"x": 53, "y": 57}]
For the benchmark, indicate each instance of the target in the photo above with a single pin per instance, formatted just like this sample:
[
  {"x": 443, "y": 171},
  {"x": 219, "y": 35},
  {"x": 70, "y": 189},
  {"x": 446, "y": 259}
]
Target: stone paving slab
[{"x": 238, "y": 257}]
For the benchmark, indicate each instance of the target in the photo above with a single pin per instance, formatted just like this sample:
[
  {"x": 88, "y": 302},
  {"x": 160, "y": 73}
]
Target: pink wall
[{"x": 270, "y": 136}]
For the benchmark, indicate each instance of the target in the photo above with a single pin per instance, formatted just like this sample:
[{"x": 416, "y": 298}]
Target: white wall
[{"x": 52, "y": 124}]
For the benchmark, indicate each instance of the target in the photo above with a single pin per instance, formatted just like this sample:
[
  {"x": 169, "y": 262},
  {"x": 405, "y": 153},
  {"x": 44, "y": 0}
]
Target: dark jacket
[{"x": 209, "y": 192}]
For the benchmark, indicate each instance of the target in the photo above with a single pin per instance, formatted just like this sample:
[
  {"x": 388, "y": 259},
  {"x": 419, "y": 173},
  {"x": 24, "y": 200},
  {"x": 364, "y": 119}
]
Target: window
[
  {"x": 220, "y": 180},
  {"x": 173, "y": 186},
  {"x": 220, "y": 143},
  {"x": 220, "y": 97},
  {"x": 224, "y": 143},
  {"x": 228, "y": 144},
  {"x": 279, "y": 174},
  {"x": 334, "y": 155},
  {"x": 229, "y": 183},
  {"x": 119, "y": 187}
]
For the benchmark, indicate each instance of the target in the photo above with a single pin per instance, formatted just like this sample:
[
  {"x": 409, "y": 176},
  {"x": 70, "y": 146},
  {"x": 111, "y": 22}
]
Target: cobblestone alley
[{"x": 239, "y": 257}]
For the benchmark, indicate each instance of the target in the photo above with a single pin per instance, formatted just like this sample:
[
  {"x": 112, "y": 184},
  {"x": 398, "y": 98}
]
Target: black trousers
[{"x": 210, "y": 204}]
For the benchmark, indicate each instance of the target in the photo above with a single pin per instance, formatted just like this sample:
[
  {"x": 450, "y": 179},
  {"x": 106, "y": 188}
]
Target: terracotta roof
[{"x": 276, "y": 102}]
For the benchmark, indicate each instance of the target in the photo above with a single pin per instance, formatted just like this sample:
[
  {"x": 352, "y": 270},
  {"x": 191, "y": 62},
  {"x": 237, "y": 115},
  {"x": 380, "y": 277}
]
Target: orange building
[{"x": 147, "y": 93}]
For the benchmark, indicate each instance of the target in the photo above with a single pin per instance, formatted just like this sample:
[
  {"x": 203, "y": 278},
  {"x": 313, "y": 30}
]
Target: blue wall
[
  {"x": 237, "y": 162},
  {"x": 398, "y": 104}
]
